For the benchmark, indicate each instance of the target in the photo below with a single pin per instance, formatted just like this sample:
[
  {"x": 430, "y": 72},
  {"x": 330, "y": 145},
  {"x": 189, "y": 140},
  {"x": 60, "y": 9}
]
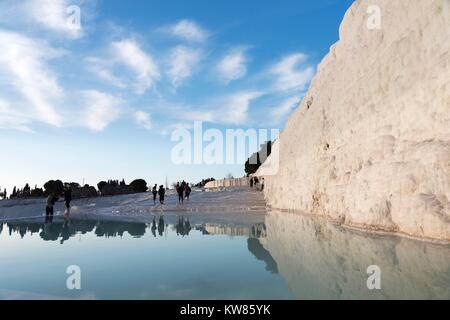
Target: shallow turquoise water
[
  {"x": 135, "y": 261},
  {"x": 273, "y": 256}
]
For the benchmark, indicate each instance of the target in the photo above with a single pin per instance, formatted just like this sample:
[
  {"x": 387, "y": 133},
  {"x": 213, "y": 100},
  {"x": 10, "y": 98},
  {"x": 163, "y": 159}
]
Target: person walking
[
  {"x": 51, "y": 200},
  {"x": 68, "y": 199},
  {"x": 155, "y": 193},
  {"x": 180, "y": 192},
  {"x": 162, "y": 193},
  {"x": 187, "y": 191}
]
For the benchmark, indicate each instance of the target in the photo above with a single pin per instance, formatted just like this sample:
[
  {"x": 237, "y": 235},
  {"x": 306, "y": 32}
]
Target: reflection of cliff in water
[
  {"x": 320, "y": 260},
  {"x": 256, "y": 231},
  {"x": 255, "y": 247}
]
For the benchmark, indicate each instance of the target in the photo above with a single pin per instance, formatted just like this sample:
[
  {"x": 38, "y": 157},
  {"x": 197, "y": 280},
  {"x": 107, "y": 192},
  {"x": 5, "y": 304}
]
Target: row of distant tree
[
  {"x": 114, "y": 187},
  {"x": 110, "y": 187},
  {"x": 104, "y": 188}
]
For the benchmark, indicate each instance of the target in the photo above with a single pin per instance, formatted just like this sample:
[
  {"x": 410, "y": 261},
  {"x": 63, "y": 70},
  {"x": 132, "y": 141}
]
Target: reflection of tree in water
[
  {"x": 255, "y": 247},
  {"x": 64, "y": 230}
]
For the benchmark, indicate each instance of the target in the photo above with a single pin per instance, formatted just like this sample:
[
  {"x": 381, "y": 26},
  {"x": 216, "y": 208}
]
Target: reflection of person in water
[
  {"x": 183, "y": 227},
  {"x": 161, "y": 226},
  {"x": 65, "y": 231},
  {"x": 51, "y": 231},
  {"x": 48, "y": 219},
  {"x": 154, "y": 227}
]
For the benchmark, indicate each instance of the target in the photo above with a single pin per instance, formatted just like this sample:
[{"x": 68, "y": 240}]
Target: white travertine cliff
[{"x": 370, "y": 144}]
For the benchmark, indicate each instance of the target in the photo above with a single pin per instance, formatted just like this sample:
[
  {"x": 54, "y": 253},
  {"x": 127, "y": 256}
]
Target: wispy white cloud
[
  {"x": 62, "y": 17},
  {"x": 23, "y": 61},
  {"x": 129, "y": 53},
  {"x": 278, "y": 113},
  {"x": 143, "y": 119},
  {"x": 103, "y": 70},
  {"x": 292, "y": 73},
  {"x": 13, "y": 120},
  {"x": 56, "y": 15},
  {"x": 100, "y": 109},
  {"x": 182, "y": 62},
  {"x": 230, "y": 109},
  {"x": 233, "y": 66},
  {"x": 237, "y": 106},
  {"x": 189, "y": 30}
]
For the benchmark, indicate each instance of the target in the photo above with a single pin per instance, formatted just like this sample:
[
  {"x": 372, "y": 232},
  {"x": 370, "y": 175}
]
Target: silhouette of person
[
  {"x": 68, "y": 199},
  {"x": 162, "y": 193},
  {"x": 155, "y": 193},
  {"x": 187, "y": 191},
  {"x": 180, "y": 192},
  {"x": 251, "y": 183},
  {"x": 51, "y": 200}
]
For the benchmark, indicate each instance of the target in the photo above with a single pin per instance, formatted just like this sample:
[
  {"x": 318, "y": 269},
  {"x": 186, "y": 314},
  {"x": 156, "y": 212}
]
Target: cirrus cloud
[
  {"x": 281, "y": 111},
  {"x": 100, "y": 109},
  {"x": 24, "y": 62},
  {"x": 129, "y": 53},
  {"x": 182, "y": 62},
  {"x": 188, "y": 30},
  {"x": 233, "y": 66},
  {"x": 143, "y": 119},
  {"x": 60, "y": 17},
  {"x": 292, "y": 73}
]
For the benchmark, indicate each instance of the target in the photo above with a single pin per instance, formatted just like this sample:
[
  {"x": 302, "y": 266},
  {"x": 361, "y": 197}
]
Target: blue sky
[{"x": 100, "y": 101}]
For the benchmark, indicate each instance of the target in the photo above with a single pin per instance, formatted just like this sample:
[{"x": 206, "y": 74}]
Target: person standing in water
[
  {"x": 162, "y": 193},
  {"x": 180, "y": 192},
  {"x": 51, "y": 200},
  {"x": 187, "y": 191},
  {"x": 68, "y": 199},
  {"x": 155, "y": 193}
]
